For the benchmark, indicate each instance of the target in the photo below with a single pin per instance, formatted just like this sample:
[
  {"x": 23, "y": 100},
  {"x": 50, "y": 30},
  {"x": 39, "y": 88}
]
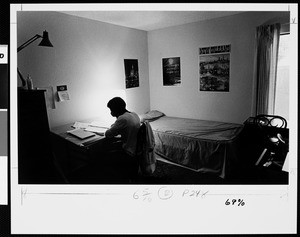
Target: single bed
[{"x": 199, "y": 145}]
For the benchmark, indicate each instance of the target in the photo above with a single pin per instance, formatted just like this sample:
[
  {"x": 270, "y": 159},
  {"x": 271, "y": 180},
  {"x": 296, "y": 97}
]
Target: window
[{"x": 282, "y": 83}]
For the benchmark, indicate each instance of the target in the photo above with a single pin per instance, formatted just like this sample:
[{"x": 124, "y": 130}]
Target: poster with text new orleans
[{"x": 214, "y": 63}]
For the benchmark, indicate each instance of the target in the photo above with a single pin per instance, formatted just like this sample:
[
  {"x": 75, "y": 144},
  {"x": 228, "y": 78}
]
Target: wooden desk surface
[{"x": 62, "y": 132}]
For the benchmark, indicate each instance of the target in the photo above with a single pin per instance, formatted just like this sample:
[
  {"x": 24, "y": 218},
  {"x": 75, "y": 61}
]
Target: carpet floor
[{"x": 166, "y": 173}]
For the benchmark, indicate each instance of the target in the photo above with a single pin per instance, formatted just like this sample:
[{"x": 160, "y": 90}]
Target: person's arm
[{"x": 116, "y": 128}]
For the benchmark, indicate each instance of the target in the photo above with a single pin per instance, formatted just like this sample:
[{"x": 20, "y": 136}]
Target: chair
[
  {"x": 270, "y": 120},
  {"x": 272, "y": 133},
  {"x": 145, "y": 149}
]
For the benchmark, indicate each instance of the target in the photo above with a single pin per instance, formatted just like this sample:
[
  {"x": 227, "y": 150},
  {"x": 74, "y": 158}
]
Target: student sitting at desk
[{"x": 127, "y": 125}]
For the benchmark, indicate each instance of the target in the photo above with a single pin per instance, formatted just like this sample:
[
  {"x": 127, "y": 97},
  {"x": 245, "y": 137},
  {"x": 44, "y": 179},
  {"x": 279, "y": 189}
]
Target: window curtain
[{"x": 267, "y": 44}]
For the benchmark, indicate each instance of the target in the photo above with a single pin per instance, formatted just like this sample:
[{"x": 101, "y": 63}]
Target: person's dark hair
[{"x": 117, "y": 104}]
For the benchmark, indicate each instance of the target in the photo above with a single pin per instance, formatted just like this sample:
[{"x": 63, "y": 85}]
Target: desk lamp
[{"x": 45, "y": 42}]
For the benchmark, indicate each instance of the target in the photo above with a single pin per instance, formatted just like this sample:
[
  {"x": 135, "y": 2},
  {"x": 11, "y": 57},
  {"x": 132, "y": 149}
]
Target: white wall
[
  {"x": 88, "y": 56},
  {"x": 184, "y": 41}
]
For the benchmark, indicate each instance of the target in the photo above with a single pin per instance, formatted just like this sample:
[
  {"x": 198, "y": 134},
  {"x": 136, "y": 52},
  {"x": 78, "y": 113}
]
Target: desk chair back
[
  {"x": 271, "y": 135},
  {"x": 270, "y": 120}
]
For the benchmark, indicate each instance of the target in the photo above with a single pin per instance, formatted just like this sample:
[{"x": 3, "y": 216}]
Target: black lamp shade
[{"x": 45, "y": 41}]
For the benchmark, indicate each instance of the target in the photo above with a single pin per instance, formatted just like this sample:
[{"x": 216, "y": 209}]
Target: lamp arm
[{"x": 28, "y": 42}]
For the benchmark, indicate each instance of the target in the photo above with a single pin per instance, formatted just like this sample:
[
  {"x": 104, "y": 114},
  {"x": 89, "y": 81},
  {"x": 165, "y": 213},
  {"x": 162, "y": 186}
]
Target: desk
[{"x": 72, "y": 153}]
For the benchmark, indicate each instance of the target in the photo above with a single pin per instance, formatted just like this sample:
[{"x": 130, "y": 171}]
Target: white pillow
[{"x": 151, "y": 115}]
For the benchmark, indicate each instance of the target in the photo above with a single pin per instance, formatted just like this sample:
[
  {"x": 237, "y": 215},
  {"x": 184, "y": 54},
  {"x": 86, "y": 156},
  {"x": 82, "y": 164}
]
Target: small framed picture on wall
[
  {"x": 171, "y": 71},
  {"x": 131, "y": 73}
]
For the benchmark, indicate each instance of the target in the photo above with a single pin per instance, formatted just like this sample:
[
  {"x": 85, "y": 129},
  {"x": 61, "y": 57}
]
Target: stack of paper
[
  {"x": 100, "y": 124},
  {"x": 80, "y": 125},
  {"x": 98, "y": 130},
  {"x": 98, "y": 127}
]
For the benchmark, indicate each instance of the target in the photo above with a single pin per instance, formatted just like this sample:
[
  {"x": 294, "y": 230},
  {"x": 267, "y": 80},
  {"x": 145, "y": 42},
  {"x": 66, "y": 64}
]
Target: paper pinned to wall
[{"x": 62, "y": 93}]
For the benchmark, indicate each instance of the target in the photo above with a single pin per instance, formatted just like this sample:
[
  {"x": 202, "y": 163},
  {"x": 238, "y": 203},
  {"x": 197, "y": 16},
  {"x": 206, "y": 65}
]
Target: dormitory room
[{"x": 200, "y": 101}]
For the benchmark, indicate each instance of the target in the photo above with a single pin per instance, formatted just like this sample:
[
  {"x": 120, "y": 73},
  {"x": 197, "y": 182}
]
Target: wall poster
[
  {"x": 131, "y": 73},
  {"x": 214, "y": 63},
  {"x": 171, "y": 71}
]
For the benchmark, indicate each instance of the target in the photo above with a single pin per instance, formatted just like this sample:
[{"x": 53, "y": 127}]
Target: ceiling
[{"x": 150, "y": 20}]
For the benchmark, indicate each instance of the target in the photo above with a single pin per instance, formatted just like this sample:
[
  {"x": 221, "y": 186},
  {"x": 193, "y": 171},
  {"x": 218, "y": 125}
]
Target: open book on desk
[{"x": 80, "y": 133}]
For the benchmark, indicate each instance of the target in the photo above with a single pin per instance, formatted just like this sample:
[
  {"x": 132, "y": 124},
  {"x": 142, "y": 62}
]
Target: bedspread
[{"x": 201, "y": 145}]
